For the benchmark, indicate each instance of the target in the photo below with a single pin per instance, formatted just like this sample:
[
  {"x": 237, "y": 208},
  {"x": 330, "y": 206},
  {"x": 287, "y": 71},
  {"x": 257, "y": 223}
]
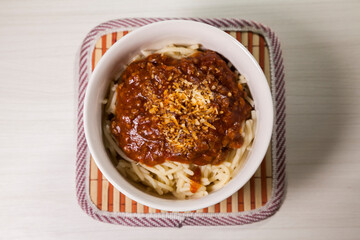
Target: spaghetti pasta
[{"x": 173, "y": 177}]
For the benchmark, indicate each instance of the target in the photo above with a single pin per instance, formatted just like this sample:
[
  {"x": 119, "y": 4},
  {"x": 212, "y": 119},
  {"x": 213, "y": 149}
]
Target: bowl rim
[{"x": 157, "y": 202}]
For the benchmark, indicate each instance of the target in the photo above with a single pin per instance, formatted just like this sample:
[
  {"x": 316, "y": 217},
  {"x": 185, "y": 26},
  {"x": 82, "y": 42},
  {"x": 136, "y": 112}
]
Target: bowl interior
[{"x": 155, "y": 36}]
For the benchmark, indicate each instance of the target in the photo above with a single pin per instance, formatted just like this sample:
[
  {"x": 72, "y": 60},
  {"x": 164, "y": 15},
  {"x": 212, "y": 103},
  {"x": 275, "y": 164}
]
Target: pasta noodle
[{"x": 174, "y": 177}]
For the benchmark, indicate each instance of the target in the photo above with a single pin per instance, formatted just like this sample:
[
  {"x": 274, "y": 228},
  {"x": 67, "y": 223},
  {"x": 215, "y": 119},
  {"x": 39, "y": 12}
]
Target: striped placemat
[{"x": 259, "y": 198}]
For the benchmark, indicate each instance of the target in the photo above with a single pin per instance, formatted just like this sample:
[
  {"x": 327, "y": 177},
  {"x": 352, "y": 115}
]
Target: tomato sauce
[
  {"x": 188, "y": 110},
  {"x": 195, "y": 183}
]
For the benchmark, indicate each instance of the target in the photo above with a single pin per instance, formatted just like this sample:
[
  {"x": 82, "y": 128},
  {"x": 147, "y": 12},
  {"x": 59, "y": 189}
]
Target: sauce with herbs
[{"x": 188, "y": 110}]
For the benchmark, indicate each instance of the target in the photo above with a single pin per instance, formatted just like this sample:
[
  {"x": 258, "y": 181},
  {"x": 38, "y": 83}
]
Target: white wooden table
[{"x": 321, "y": 47}]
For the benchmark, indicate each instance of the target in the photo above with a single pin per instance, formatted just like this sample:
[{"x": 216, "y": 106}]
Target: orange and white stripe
[{"x": 253, "y": 195}]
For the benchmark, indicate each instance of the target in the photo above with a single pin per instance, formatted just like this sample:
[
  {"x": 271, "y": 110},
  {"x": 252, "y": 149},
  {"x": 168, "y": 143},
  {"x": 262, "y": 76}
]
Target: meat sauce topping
[{"x": 188, "y": 110}]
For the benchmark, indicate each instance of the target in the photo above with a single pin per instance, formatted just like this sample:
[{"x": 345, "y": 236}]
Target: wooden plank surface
[{"x": 320, "y": 43}]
